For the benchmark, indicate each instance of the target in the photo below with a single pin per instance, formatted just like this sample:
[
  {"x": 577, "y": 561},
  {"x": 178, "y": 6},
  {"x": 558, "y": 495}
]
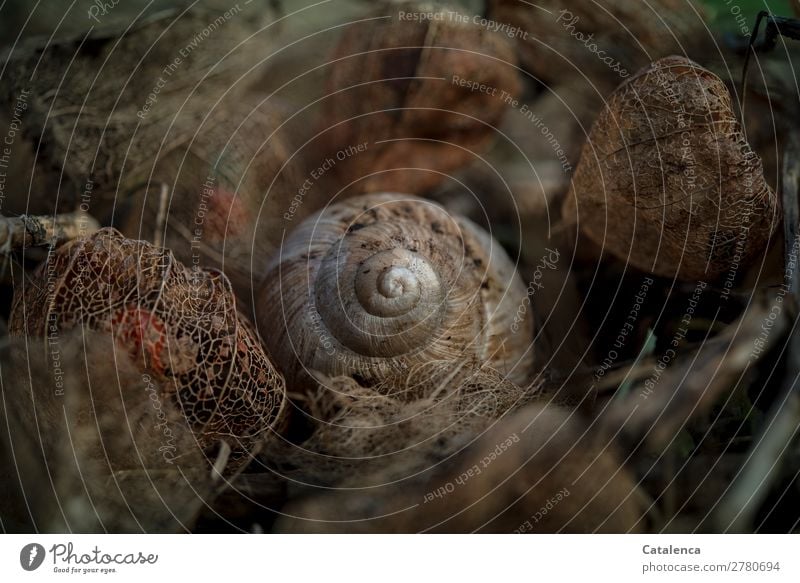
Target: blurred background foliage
[{"x": 70, "y": 16}]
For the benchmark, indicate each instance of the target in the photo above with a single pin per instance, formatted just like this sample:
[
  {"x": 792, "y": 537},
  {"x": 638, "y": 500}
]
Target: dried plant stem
[
  {"x": 18, "y": 233},
  {"x": 161, "y": 218}
]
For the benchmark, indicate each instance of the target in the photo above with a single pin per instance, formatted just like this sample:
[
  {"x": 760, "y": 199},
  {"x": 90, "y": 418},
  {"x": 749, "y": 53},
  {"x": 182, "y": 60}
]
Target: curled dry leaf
[
  {"x": 667, "y": 180},
  {"x": 379, "y": 285},
  {"x": 536, "y": 471},
  {"x": 91, "y": 442},
  {"x": 420, "y": 95},
  {"x": 180, "y": 325}
]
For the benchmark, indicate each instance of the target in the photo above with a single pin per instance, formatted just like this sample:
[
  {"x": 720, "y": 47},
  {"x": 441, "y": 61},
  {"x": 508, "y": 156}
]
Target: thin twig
[{"x": 17, "y": 233}]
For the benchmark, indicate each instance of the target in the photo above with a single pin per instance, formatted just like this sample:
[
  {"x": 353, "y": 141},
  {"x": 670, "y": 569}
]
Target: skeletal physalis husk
[
  {"x": 667, "y": 180},
  {"x": 359, "y": 430},
  {"x": 538, "y": 470},
  {"x": 181, "y": 326},
  {"x": 418, "y": 96},
  {"x": 378, "y": 285}
]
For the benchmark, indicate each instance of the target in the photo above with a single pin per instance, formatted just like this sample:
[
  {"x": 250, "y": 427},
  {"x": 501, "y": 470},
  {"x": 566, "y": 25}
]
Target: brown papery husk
[
  {"x": 358, "y": 430},
  {"x": 576, "y": 52},
  {"x": 667, "y": 181},
  {"x": 180, "y": 324},
  {"x": 102, "y": 107},
  {"x": 86, "y": 448},
  {"x": 392, "y": 88},
  {"x": 218, "y": 200},
  {"x": 549, "y": 476}
]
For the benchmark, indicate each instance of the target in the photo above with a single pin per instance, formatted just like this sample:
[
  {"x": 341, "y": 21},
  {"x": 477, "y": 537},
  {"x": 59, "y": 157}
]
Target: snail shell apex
[{"x": 379, "y": 284}]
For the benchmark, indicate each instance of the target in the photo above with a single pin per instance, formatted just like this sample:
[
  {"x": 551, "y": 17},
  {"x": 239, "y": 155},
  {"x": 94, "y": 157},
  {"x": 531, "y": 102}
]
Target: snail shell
[{"x": 380, "y": 284}]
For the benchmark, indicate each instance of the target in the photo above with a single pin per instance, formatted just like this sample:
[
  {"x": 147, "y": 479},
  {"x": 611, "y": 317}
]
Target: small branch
[{"x": 17, "y": 233}]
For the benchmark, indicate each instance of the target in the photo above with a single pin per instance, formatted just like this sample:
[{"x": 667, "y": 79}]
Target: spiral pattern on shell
[{"x": 380, "y": 284}]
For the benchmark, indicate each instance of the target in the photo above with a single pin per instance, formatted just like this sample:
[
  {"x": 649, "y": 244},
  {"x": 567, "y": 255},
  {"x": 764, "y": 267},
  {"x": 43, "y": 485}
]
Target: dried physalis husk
[
  {"x": 101, "y": 107},
  {"x": 218, "y": 200},
  {"x": 538, "y": 470},
  {"x": 92, "y": 442},
  {"x": 410, "y": 100},
  {"x": 604, "y": 40},
  {"x": 667, "y": 181},
  {"x": 181, "y": 326},
  {"x": 358, "y": 430}
]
